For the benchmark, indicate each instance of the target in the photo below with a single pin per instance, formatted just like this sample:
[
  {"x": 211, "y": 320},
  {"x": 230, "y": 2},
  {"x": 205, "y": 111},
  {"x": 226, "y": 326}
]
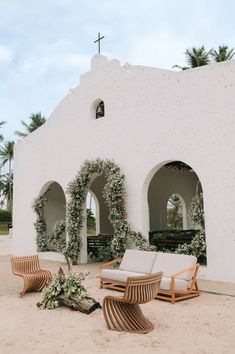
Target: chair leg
[{"x": 122, "y": 316}]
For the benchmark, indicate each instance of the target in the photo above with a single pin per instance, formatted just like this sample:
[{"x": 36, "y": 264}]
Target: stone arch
[{"x": 114, "y": 194}]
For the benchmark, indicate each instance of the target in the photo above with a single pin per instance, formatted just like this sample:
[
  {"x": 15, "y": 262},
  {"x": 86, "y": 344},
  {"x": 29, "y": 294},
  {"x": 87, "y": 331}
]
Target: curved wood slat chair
[
  {"x": 124, "y": 313},
  {"x": 35, "y": 278}
]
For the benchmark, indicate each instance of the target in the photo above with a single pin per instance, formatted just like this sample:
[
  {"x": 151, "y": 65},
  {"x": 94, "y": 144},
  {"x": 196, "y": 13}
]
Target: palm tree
[
  {"x": 6, "y": 189},
  {"x": 1, "y": 123},
  {"x": 7, "y": 154},
  {"x": 222, "y": 54},
  {"x": 195, "y": 57},
  {"x": 37, "y": 119}
]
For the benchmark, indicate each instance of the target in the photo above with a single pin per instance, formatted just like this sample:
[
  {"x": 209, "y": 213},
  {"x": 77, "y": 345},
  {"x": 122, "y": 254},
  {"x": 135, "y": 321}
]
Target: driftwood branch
[{"x": 86, "y": 305}]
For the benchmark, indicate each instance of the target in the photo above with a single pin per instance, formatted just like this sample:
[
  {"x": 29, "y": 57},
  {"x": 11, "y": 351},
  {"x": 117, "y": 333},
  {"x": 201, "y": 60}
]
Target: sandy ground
[{"x": 202, "y": 325}]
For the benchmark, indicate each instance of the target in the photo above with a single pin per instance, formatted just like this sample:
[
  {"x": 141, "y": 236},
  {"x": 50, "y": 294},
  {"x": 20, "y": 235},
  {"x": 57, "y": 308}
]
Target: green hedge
[
  {"x": 5, "y": 215},
  {"x": 171, "y": 239}
]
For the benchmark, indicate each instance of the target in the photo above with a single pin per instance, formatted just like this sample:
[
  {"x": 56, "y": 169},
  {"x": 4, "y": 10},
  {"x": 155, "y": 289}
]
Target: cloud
[
  {"x": 59, "y": 56},
  {"x": 6, "y": 54}
]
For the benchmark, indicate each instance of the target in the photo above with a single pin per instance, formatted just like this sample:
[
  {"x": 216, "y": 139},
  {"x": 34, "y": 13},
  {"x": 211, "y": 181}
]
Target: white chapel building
[{"x": 168, "y": 131}]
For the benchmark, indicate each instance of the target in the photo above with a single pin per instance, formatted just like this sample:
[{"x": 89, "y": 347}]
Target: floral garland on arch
[
  {"x": 114, "y": 195},
  {"x": 40, "y": 223},
  {"x": 55, "y": 241}
]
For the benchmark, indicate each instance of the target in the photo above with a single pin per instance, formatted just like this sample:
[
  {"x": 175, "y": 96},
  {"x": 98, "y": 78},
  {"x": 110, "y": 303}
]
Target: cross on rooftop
[{"x": 98, "y": 40}]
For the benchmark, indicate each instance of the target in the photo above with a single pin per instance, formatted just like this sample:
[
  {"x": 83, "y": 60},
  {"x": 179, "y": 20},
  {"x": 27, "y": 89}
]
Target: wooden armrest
[
  {"x": 195, "y": 266},
  {"x": 108, "y": 264}
]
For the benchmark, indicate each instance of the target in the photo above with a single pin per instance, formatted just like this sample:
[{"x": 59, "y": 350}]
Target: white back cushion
[
  {"x": 170, "y": 263},
  {"x": 138, "y": 261}
]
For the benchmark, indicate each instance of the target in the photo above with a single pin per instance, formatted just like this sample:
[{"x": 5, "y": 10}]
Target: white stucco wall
[{"x": 152, "y": 116}]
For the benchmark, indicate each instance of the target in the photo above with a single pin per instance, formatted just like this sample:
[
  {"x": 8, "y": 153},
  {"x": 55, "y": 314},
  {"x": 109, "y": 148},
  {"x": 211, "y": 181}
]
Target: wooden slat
[
  {"x": 124, "y": 314},
  {"x": 35, "y": 278}
]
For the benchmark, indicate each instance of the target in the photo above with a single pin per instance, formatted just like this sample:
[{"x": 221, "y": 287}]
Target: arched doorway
[
  {"x": 54, "y": 215},
  {"x": 171, "y": 195},
  {"x": 55, "y": 207},
  {"x": 173, "y": 178},
  {"x": 98, "y": 230},
  {"x": 92, "y": 215}
]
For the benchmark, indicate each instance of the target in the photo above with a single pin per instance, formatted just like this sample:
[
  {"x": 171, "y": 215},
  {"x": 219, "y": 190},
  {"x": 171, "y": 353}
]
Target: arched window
[
  {"x": 97, "y": 109},
  {"x": 99, "y": 112},
  {"x": 176, "y": 212},
  {"x": 92, "y": 208}
]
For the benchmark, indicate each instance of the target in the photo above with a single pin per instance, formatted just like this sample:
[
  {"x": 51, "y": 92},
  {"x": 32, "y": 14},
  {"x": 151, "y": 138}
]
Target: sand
[{"x": 201, "y": 325}]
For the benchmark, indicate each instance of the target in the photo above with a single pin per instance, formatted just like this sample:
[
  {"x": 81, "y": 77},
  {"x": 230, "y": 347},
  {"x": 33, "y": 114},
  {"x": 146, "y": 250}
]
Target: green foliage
[
  {"x": 105, "y": 254},
  {"x": 5, "y": 215},
  {"x": 114, "y": 195},
  {"x": 6, "y": 181},
  {"x": 197, "y": 56},
  {"x": 49, "y": 294},
  {"x": 70, "y": 286},
  {"x": 7, "y": 153},
  {"x": 2, "y": 123},
  {"x": 90, "y": 218},
  {"x": 6, "y": 190},
  {"x": 73, "y": 287},
  {"x": 196, "y": 247},
  {"x": 40, "y": 224},
  {"x": 200, "y": 56},
  {"x": 171, "y": 239},
  {"x": 196, "y": 210},
  {"x": 222, "y": 54},
  {"x": 36, "y": 121},
  {"x": 57, "y": 239}
]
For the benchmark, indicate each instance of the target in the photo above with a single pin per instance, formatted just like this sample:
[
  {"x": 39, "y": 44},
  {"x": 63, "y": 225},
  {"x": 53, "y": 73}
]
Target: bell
[{"x": 100, "y": 111}]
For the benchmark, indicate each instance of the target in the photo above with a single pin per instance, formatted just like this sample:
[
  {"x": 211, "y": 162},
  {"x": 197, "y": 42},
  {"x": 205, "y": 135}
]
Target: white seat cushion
[
  {"x": 138, "y": 261},
  {"x": 180, "y": 284},
  {"x": 170, "y": 263},
  {"x": 118, "y": 275}
]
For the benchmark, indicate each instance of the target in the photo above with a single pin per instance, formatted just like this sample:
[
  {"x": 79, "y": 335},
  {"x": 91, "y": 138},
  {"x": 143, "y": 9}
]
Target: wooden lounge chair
[
  {"x": 35, "y": 278},
  {"x": 124, "y": 313},
  {"x": 173, "y": 294}
]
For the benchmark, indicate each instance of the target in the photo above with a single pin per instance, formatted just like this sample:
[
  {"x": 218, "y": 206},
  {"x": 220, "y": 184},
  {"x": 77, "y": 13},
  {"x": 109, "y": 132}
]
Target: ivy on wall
[
  {"x": 56, "y": 241},
  {"x": 197, "y": 246},
  {"x": 40, "y": 224},
  {"x": 114, "y": 196}
]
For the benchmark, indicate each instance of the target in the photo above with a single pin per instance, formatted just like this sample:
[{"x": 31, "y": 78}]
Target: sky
[{"x": 46, "y": 45}]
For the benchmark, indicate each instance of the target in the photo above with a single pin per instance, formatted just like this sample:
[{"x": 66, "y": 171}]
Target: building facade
[{"x": 151, "y": 118}]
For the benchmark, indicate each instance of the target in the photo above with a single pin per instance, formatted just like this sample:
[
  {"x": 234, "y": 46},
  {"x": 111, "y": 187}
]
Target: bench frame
[{"x": 173, "y": 295}]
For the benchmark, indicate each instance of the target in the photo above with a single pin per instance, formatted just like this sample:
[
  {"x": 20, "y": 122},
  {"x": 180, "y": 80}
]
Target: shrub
[{"x": 5, "y": 215}]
